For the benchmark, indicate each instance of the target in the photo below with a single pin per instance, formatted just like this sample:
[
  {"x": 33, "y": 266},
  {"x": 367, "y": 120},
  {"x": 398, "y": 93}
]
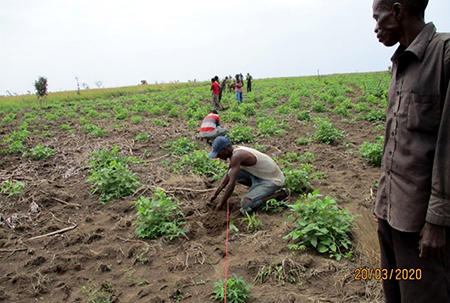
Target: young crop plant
[
  {"x": 248, "y": 109},
  {"x": 102, "y": 295},
  {"x": 11, "y": 187},
  {"x": 181, "y": 147},
  {"x": 238, "y": 291},
  {"x": 234, "y": 116},
  {"x": 241, "y": 134},
  {"x": 320, "y": 223},
  {"x": 110, "y": 175},
  {"x": 304, "y": 115},
  {"x": 304, "y": 140},
  {"x": 267, "y": 127},
  {"x": 372, "y": 152},
  {"x": 174, "y": 112},
  {"x": 16, "y": 142},
  {"x": 41, "y": 152},
  {"x": 252, "y": 222},
  {"x": 199, "y": 163},
  {"x": 136, "y": 119},
  {"x": 375, "y": 115},
  {"x": 297, "y": 180},
  {"x": 143, "y": 137},
  {"x": 94, "y": 130},
  {"x": 318, "y": 107},
  {"x": 159, "y": 122},
  {"x": 283, "y": 109},
  {"x": 275, "y": 206},
  {"x": 9, "y": 118},
  {"x": 326, "y": 132},
  {"x": 158, "y": 217}
]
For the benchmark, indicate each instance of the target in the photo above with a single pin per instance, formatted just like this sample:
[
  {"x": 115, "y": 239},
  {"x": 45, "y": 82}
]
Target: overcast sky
[{"x": 122, "y": 42}]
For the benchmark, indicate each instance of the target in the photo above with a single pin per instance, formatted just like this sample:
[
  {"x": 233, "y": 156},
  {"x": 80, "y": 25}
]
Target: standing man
[
  {"x": 215, "y": 95},
  {"x": 413, "y": 199},
  {"x": 238, "y": 88},
  {"x": 251, "y": 168},
  {"x": 249, "y": 82}
]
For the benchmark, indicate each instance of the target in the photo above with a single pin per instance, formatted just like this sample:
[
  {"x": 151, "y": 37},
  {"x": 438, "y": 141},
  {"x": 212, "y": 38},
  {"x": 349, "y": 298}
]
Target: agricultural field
[{"x": 104, "y": 195}]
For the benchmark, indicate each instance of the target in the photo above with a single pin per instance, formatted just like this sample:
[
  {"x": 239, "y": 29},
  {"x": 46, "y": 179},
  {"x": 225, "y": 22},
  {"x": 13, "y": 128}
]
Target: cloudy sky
[{"x": 122, "y": 42}]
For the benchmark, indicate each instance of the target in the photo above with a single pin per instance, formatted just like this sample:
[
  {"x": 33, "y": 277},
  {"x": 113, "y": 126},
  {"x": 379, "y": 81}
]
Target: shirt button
[
  {"x": 389, "y": 173},
  {"x": 392, "y": 134},
  {"x": 390, "y": 153},
  {"x": 398, "y": 93},
  {"x": 395, "y": 114}
]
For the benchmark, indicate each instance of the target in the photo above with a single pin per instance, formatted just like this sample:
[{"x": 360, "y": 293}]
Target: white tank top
[{"x": 265, "y": 168}]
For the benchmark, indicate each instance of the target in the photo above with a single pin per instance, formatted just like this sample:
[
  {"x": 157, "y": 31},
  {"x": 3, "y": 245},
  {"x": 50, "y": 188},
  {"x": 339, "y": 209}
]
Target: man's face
[
  {"x": 224, "y": 154},
  {"x": 387, "y": 27}
]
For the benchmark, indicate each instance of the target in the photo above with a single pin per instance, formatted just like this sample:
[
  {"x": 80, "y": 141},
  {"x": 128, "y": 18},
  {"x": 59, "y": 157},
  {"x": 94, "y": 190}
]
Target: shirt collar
[{"x": 419, "y": 44}]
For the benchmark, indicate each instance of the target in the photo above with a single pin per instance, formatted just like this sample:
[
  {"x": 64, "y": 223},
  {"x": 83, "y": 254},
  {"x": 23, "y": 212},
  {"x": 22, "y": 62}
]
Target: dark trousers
[{"x": 400, "y": 256}]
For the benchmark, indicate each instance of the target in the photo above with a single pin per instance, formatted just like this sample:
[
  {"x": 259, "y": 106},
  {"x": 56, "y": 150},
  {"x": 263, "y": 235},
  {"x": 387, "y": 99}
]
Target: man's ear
[{"x": 399, "y": 10}]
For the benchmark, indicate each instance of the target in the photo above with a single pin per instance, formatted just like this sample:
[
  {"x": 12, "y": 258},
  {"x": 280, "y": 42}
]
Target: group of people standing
[{"x": 218, "y": 87}]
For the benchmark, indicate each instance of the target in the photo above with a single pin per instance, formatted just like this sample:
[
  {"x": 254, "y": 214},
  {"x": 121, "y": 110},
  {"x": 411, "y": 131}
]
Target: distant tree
[
  {"x": 85, "y": 85},
  {"x": 99, "y": 84},
  {"x": 144, "y": 82},
  {"x": 41, "y": 88}
]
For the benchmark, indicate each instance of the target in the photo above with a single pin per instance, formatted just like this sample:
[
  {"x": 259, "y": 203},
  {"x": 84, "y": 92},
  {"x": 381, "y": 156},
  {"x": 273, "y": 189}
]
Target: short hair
[
  {"x": 214, "y": 112},
  {"x": 416, "y": 7}
]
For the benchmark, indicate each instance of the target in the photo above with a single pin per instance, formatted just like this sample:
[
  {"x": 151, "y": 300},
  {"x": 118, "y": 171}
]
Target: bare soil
[{"x": 101, "y": 253}]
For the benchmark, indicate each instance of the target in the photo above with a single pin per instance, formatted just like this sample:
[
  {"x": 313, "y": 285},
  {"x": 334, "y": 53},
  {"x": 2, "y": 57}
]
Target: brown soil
[{"x": 102, "y": 252}]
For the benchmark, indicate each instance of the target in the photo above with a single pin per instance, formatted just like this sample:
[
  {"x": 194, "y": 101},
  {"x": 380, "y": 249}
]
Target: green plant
[
  {"x": 111, "y": 176},
  {"x": 275, "y": 206},
  {"x": 41, "y": 152},
  {"x": 241, "y": 134},
  {"x": 237, "y": 290},
  {"x": 297, "y": 180},
  {"x": 252, "y": 222},
  {"x": 372, "y": 152},
  {"x": 320, "y": 223},
  {"x": 326, "y": 132},
  {"x": 94, "y": 130},
  {"x": 16, "y": 141},
  {"x": 9, "y": 117},
  {"x": 102, "y": 295},
  {"x": 181, "y": 147},
  {"x": 303, "y": 140},
  {"x": 142, "y": 137},
  {"x": 12, "y": 187},
  {"x": 136, "y": 119},
  {"x": 159, "y": 122},
  {"x": 304, "y": 115},
  {"x": 199, "y": 163},
  {"x": 268, "y": 127},
  {"x": 158, "y": 217}
]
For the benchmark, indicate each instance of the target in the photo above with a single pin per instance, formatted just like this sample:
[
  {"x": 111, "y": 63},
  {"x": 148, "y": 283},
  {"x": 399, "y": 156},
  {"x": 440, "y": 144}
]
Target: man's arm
[
  {"x": 233, "y": 173},
  {"x": 222, "y": 185},
  {"x": 433, "y": 234}
]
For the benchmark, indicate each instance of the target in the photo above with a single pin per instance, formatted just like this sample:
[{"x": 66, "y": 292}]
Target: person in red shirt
[
  {"x": 211, "y": 127},
  {"x": 238, "y": 88},
  {"x": 215, "y": 95}
]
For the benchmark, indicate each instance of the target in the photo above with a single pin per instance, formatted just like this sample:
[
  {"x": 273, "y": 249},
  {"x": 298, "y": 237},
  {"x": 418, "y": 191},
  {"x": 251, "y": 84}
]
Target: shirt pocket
[{"x": 424, "y": 112}]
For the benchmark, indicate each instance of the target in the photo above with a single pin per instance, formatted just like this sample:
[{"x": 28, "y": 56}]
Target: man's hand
[{"x": 432, "y": 241}]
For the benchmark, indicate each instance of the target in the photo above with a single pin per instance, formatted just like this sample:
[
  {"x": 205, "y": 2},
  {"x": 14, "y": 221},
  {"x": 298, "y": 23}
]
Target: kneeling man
[{"x": 251, "y": 168}]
